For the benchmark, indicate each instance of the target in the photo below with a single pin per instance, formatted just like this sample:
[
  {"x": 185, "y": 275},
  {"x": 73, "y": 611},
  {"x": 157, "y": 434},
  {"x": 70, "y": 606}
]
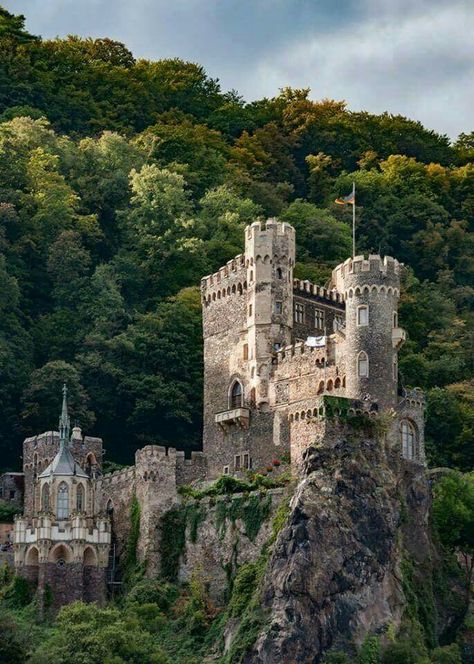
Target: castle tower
[
  {"x": 269, "y": 259},
  {"x": 371, "y": 288}
]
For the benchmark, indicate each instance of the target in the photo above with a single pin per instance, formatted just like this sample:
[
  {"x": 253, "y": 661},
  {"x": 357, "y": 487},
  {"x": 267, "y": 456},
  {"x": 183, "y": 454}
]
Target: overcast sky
[{"x": 414, "y": 57}]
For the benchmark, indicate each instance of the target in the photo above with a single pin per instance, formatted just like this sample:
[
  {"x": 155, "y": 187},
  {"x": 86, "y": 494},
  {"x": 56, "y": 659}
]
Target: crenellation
[{"x": 287, "y": 363}]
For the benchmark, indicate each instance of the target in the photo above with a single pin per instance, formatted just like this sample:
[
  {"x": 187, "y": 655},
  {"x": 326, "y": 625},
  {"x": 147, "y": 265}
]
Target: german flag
[{"x": 347, "y": 200}]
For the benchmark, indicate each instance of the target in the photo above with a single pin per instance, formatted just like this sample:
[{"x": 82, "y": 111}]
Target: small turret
[{"x": 371, "y": 288}]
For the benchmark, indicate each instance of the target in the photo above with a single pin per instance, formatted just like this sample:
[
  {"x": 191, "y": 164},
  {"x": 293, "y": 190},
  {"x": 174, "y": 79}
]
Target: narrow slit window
[{"x": 363, "y": 315}]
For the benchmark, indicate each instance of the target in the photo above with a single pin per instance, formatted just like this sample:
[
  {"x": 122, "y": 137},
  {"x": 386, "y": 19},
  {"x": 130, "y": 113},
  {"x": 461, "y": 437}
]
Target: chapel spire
[{"x": 64, "y": 421}]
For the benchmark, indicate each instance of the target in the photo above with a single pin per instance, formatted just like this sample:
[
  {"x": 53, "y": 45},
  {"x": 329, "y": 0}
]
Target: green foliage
[
  {"x": 336, "y": 658},
  {"x": 370, "y": 652},
  {"x": 84, "y": 632},
  {"x": 19, "y": 593},
  {"x": 453, "y": 511},
  {"x": 421, "y": 610},
  {"x": 130, "y": 554},
  {"x": 446, "y": 655},
  {"x": 8, "y": 511}
]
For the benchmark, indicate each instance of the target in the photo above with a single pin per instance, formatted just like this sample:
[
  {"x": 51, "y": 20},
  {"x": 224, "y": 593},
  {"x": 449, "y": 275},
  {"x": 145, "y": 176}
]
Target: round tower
[
  {"x": 269, "y": 260},
  {"x": 371, "y": 288}
]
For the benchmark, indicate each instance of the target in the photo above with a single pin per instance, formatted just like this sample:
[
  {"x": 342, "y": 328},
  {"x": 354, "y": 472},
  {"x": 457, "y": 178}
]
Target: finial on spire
[{"x": 64, "y": 422}]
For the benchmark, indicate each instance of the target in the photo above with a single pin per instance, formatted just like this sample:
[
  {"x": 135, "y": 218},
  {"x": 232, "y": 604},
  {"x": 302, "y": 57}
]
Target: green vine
[
  {"x": 130, "y": 557},
  {"x": 251, "y": 510}
]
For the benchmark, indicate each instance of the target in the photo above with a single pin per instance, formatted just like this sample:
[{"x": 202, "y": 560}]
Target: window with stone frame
[
  {"x": 319, "y": 319},
  {"x": 237, "y": 462},
  {"x": 408, "y": 436},
  {"x": 236, "y": 395},
  {"x": 45, "y": 498},
  {"x": 246, "y": 461},
  {"x": 226, "y": 470},
  {"x": 362, "y": 365},
  {"x": 246, "y": 352},
  {"x": 80, "y": 498},
  {"x": 278, "y": 307},
  {"x": 299, "y": 312},
  {"x": 62, "y": 511},
  {"x": 362, "y": 315},
  {"x": 395, "y": 319}
]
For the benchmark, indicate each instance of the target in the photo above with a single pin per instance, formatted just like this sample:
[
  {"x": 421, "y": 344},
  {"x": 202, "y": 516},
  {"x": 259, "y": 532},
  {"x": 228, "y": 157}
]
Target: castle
[{"x": 277, "y": 353}]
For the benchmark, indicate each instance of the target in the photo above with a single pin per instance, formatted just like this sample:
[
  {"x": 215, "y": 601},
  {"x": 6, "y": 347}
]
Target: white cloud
[{"x": 420, "y": 64}]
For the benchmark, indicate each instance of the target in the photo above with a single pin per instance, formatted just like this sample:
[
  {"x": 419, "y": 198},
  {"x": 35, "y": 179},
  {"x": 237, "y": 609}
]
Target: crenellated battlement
[
  {"x": 307, "y": 287},
  {"x": 363, "y": 271},
  {"x": 270, "y": 228},
  {"x": 123, "y": 476},
  {"x": 287, "y": 353}
]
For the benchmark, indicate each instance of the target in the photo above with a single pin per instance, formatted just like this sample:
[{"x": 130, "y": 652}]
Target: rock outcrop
[{"x": 352, "y": 557}]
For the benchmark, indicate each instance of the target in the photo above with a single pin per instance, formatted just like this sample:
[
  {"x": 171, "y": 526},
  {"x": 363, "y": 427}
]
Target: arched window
[
  {"x": 408, "y": 436},
  {"x": 279, "y": 272},
  {"x": 236, "y": 395},
  {"x": 62, "y": 511},
  {"x": 80, "y": 498},
  {"x": 362, "y": 365},
  {"x": 395, "y": 319},
  {"x": 45, "y": 498}
]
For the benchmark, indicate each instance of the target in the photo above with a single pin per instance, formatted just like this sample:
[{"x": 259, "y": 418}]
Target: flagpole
[{"x": 353, "y": 220}]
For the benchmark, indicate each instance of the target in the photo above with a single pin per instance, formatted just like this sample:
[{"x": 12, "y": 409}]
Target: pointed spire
[{"x": 64, "y": 422}]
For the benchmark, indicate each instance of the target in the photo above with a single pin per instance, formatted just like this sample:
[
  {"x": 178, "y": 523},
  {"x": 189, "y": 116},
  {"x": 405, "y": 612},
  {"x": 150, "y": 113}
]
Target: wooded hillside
[{"x": 123, "y": 182}]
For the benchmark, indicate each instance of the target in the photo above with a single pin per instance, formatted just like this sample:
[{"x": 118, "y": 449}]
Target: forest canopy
[{"x": 124, "y": 181}]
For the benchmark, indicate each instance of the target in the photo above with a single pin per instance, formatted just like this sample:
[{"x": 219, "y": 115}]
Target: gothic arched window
[
  {"x": 45, "y": 498},
  {"x": 62, "y": 511},
  {"x": 408, "y": 435},
  {"x": 362, "y": 365},
  {"x": 236, "y": 395},
  {"x": 80, "y": 498}
]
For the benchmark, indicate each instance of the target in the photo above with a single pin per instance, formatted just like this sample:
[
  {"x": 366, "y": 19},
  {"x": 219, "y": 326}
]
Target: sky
[{"x": 413, "y": 57}]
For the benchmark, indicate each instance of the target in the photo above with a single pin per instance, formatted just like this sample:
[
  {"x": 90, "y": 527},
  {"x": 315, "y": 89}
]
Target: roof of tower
[{"x": 64, "y": 463}]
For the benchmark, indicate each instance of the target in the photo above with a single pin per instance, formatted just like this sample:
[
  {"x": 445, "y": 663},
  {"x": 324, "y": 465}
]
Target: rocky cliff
[{"x": 356, "y": 557}]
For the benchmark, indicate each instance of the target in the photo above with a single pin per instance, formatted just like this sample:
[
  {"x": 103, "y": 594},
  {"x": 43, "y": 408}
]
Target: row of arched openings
[
  {"x": 225, "y": 292},
  {"x": 330, "y": 385}
]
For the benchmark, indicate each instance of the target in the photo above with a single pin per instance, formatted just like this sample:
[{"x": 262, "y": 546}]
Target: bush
[
  {"x": 151, "y": 591},
  {"x": 19, "y": 593},
  {"x": 446, "y": 655},
  {"x": 336, "y": 658}
]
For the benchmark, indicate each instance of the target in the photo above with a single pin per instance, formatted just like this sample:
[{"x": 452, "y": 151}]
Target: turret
[
  {"x": 371, "y": 288},
  {"x": 269, "y": 260}
]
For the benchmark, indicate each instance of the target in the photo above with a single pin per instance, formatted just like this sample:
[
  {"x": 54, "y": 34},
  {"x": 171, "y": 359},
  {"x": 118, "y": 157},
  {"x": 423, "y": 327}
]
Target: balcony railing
[{"x": 234, "y": 417}]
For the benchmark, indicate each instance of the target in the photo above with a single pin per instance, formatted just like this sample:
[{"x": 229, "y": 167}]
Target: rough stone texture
[
  {"x": 216, "y": 550},
  {"x": 113, "y": 495},
  {"x": 94, "y": 583},
  {"x": 65, "y": 583},
  {"x": 335, "y": 572},
  {"x": 12, "y": 487}
]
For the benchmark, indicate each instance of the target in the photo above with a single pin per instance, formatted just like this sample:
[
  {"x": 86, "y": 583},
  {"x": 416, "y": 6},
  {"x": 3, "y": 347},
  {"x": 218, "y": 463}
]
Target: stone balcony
[
  {"x": 398, "y": 337},
  {"x": 239, "y": 417}
]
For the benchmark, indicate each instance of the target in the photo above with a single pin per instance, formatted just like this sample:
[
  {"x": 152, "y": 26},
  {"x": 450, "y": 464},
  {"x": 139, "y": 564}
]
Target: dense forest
[{"x": 124, "y": 181}]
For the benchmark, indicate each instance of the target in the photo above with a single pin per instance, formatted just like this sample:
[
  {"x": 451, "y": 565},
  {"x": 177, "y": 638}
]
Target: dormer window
[{"x": 362, "y": 315}]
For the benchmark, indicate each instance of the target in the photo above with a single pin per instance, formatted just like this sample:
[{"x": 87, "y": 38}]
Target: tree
[
  {"x": 42, "y": 398},
  {"x": 453, "y": 514}
]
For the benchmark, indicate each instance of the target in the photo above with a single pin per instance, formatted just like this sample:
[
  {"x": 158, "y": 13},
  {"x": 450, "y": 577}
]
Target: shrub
[{"x": 446, "y": 655}]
